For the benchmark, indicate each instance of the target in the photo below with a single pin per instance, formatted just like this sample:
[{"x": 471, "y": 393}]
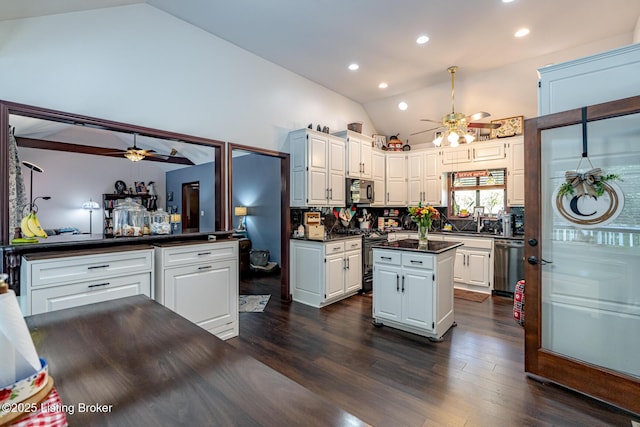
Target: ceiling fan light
[
  {"x": 437, "y": 141},
  {"x": 453, "y": 138},
  {"x": 469, "y": 138},
  {"x": 134, "y": 156}
]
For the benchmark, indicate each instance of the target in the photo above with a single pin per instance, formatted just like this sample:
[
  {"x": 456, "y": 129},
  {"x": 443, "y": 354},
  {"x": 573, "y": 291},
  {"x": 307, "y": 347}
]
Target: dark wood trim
[
  {"x": 7, "y": 108},
  {"x": 88, "y": 149},
  {"x": 609, "y": 386},
  {"x": 285, "y": 226}
]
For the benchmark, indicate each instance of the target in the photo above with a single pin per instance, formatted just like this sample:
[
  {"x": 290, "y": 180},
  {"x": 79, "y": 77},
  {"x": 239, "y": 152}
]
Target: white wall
[{"x": 136, "y": 64}]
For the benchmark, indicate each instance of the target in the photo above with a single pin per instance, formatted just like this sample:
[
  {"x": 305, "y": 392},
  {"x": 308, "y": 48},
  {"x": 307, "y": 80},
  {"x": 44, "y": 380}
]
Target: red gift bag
[{"x": 518, "y": 303}]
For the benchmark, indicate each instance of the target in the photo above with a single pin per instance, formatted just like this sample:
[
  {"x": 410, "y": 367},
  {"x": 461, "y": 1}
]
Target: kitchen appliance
[
  {"x": 507, "y": 225},
  {"x": 313, "y": 230},
  {"x": 359, "y": 191},
  {"x": 508, "y": 265},
  {"x": 370, "y": 239}
]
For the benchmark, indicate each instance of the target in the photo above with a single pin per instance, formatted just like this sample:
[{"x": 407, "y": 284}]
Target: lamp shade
[
  {"x": 90, "y": 205},
  {"x": 240, "y": 211}
]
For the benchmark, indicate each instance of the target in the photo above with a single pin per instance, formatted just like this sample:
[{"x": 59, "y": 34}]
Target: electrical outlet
[{"x": 201, "y": 213}]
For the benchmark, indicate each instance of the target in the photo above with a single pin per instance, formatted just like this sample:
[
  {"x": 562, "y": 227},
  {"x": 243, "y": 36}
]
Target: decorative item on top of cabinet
[
  {"x": 110, "y": 201},
  {"x": 199, "y": 281}
]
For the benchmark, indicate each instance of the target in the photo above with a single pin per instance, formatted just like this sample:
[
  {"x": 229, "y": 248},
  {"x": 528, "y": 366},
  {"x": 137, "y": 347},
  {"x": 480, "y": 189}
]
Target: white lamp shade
[
  {"x": 240, "y": 211},
  {"x": 90, "y": 205}
]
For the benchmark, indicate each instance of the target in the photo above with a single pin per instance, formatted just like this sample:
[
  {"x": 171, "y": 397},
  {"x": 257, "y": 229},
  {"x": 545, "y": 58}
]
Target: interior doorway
[
  {"x": 191, "y": 207},
  {"x": 266, "y": 199}
]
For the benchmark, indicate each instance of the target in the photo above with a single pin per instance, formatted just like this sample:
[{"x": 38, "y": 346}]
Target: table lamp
[{"x": 240, "y": 211}]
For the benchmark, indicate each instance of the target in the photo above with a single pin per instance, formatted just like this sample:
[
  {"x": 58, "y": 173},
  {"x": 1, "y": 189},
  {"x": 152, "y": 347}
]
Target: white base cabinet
[
  {"x": 413, "y": 291},
  {"x": 474, "y": 263},
  {"x": 199, "y": 281},
  {"x": 54, "y": 281},
  {"x": 325, "y": 272}
]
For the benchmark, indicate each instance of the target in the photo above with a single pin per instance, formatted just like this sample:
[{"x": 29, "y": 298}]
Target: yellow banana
[
  {"x": 24, "y": 227},
  {"x": 34, "y": 226}
]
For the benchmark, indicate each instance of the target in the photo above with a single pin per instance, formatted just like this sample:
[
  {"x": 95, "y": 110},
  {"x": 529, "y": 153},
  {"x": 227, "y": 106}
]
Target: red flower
[
  {"x": 5, "y": 394},
  {"x": 40, "y": 379}
]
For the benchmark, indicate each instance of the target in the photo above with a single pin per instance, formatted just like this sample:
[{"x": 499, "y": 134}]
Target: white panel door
[
  {"x": 353, "y": 277},
  {"x": 337, "y": 172},
  {"x": 417, "y": 299},
  {"x": 387, "y": 301},
  {"x": 334, "y": 276}
]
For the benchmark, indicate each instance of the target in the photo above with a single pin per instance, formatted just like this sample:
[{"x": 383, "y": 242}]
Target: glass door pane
[{"x": 591, "y": 289}]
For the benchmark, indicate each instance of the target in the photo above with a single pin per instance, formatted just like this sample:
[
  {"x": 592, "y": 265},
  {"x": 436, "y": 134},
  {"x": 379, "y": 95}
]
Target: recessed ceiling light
[
  {"x": 383, "y": 85},
  {"x": 403, "y": 106},
  {"x": 521, "y": 32},
  {"x": 422, "y": 39},
  {"x": 507, "y": 1},
  {"x": 354, "y": 66}
]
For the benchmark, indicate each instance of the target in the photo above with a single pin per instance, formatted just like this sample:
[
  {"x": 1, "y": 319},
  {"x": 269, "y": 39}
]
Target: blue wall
[
  {"x": 256, "y": 185},
  {"x": 205, "y": 174}
]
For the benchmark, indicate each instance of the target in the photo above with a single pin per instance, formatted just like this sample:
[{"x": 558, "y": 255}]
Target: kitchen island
[
  {"x": 138, "y": 363},
  {"x": 413, "y": 286}
]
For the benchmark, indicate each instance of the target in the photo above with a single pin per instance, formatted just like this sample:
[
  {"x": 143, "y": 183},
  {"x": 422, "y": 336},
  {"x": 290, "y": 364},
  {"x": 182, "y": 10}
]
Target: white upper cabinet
[
  {"x": 515, "y": 172},
  {"x": 359, "y": 154},
  {"x": 378, "y": 170},
  {"x": 415, "y": 191},
  {"x": 317, "y": 169},
  {"x": 595, "y": 79},
  {"x": 396, "y": 179},
  {"x": 432, "y": 184}
]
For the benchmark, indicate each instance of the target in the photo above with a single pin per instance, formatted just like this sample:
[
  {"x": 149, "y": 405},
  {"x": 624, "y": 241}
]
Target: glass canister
[
  {"x": 146, "y": 229},
  {"x": 128, "y": 219},
  {"x": 160, "y": 223}
]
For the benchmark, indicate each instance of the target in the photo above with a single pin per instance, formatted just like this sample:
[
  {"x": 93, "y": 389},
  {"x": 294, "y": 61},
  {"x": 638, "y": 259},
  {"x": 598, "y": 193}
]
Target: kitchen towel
[{"x": 18, "y": 356}]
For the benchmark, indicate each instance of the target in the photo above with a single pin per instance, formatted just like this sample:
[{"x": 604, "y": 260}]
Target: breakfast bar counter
[{"x": 131, "y": 361}]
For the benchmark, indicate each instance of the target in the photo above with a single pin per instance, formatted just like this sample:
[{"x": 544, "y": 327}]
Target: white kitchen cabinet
[
  {"x": 322, "y": 273},
  {"x": 515, "y": 172},
  {"x": 432, "y": 184},
  {"x": 359, "y": 152},
  {"x": 57, "y": 280},
  {"x": 606, "y": 76},
  {"x": 396, "y": 179},
  {"x": 413, "y": 291},
  {"x": 483, "y": 151},
  {"x": 474, "y": 263},
  {"x": 199, "y": 281},
  {"x": 478, "y": 154},
  {"x": 378, "y": 170},
  {"x": 318, "y": 169},
  {"x": 415, "y": 179}
]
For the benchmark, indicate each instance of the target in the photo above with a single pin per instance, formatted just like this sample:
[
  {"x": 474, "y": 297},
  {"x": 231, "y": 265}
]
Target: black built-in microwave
[{"x": 359, "y": 191}]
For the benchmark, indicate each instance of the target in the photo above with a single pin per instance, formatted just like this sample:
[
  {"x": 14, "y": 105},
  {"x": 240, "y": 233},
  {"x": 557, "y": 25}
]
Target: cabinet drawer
[
  {"x": 188, "y": 254},
  {"x": 387, "y": 257},
  {"x": 334, "y": 248},
  {"x": 351, "y": 245},
  {"x": 417, "y": 260},
  {"x": 479, "y": 243},
  {"x": 88, "y": 267},
  {"x": 58, "y": 297}
]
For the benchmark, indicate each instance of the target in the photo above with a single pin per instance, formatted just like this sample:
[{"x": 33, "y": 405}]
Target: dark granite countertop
[{"x": 433, "y": 247}]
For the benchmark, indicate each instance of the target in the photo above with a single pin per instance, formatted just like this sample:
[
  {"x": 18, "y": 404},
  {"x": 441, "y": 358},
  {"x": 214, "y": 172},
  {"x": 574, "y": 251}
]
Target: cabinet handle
[
  {"x": 354, "y": 245},
  {"x": 98, "y": 266},
  {"x": 347, "y": 259},
  {"x": 204, "y": 253},
  {"x": 326, "y": 193},
  {"x": 387, "y": 197},
  {"x": 98, "y": 285},
  {"x": 397, "y": 282},
  {"x": 385, "y": 257},
  {"x": 403, "y": 283},
  {"x": 331, "y": 194},
  {"x": 464, "y": 259},
  {"x": 205, "y": 267},
  {"x": 413, "y": 261}
]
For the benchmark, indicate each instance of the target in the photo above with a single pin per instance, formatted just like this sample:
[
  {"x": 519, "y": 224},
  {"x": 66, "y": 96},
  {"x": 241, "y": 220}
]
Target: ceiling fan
[
  {"x": 136, "y": 154},
  {"x": 457, "y": 124}
]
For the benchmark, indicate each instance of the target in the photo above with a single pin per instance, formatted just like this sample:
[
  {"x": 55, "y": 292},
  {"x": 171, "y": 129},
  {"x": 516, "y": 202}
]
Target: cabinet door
[
  {"x": 396, "y": 180},
  {"x": 482, "y": 152},
  {"x": 204, "y": 294},
  {"x": 354, "y": 162},
  {"x": 515, "y": 177},
  {"x": 417, "y": 298},
  {"x": 378, "y": 175},
  {"x": 334, "y": 276},
  {"x": 54, "y": 298},
  {"x": 337, "y": 172},
  {"x": 453, "y": 156},
  {"x": 460, "y": 266},
  {"x": 414, "y": 179},
  {"x": 432, "y": 184},
  {"x": 387, "y": 301},
  {"x": 366, "y": 159},
  {"x": 478, "y": 268},
  {"x": 353, "y": 273},
  {"x": 318, "y": 190}
]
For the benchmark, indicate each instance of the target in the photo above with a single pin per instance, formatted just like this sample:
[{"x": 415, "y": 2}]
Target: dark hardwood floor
[{"x": 388, "y": 377}]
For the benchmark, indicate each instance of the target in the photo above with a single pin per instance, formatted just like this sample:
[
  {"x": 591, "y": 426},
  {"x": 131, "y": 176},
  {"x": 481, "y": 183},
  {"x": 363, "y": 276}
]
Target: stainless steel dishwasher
[{"x": 508, "y": 265}]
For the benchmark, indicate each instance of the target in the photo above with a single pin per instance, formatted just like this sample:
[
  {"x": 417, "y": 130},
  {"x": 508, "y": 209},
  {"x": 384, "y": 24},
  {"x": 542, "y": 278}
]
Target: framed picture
[
  {"x": 379, "y": 141},
  {"x": 169, "y": 196},
  {"x": 140, "y": 187},
  {"x": 510, "y": 126}
]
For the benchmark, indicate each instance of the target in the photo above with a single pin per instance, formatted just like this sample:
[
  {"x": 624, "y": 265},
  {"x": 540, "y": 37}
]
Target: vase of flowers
[{"x": 423, "y": 216}]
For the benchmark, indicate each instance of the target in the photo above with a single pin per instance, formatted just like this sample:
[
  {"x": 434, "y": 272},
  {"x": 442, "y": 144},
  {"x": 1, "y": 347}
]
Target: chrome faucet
[{"x": 479, "y": 225}]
